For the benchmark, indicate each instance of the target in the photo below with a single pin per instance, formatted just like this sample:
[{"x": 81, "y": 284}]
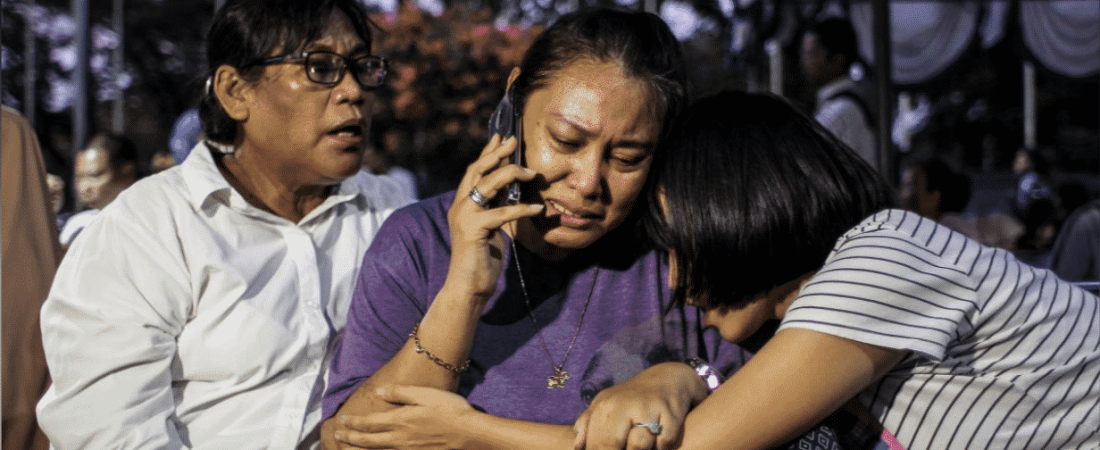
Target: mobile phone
[{"x": 507, "y": 121}]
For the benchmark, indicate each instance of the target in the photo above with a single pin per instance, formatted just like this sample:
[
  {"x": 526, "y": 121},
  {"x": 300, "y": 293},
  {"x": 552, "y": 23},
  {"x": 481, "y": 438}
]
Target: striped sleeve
[{"x": 891, "y": 289}]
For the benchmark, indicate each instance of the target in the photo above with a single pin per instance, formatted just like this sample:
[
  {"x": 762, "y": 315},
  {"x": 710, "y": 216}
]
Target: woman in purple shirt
[{"x": 526, "y": 311}]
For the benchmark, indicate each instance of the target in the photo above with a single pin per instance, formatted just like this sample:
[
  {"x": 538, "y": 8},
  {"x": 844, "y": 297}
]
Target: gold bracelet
[{"x": 457, "y": 370}]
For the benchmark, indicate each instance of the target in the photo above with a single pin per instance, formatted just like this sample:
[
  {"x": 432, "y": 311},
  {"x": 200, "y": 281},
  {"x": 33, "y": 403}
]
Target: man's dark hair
[
  {"x": 120, "y": 149},
  {"x": 837, "y": 37},
  {"x": 953, "y": 186},
  {"x": 246, "y": 30},
  {"x": 756, "y": 194}
]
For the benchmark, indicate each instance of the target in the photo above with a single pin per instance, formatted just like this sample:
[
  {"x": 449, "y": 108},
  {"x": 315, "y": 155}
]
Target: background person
[
  {"x": 829, "y": 48},
  {"x": 528, "y": 311},
  {"x": 56, "y": 189},
  {"x": 948, "y": 343},
  {"x": 1075, "y": 255},
  {"x": 30, "y": 256},
  {"x": 199, "y": 310},
  {"x": 106, "y": 167},
  {"x": 931, "y": 188}
]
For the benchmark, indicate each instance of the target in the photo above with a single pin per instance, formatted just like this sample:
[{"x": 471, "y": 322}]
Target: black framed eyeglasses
[{"x": 328, "y": 68}]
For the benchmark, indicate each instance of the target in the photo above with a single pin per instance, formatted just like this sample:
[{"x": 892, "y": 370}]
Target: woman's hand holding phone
[{"x": 477, "y": 248}]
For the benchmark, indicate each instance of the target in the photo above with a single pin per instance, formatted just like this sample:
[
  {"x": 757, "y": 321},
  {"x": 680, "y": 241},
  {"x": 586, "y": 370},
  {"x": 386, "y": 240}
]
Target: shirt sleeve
[
  {"x": 390, "y": 297},
  {"x": 119, "y": 299},
  {"x": 884, "y": 288}
]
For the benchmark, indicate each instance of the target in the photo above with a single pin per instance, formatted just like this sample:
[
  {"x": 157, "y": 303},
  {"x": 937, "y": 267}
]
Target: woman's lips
[{"x": 570, "y": 218}]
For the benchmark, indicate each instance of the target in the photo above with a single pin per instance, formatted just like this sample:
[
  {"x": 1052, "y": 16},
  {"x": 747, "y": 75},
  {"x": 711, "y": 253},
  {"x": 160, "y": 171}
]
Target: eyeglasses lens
[
  {"x": 324, "y": 68},
  {"x": 369, "y": 71},
  {"x": 328, "y": 68}
]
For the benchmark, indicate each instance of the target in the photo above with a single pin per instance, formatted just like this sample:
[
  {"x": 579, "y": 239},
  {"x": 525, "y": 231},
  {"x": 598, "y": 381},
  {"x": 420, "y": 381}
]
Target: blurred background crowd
[{"x": 1004, "y": 92}]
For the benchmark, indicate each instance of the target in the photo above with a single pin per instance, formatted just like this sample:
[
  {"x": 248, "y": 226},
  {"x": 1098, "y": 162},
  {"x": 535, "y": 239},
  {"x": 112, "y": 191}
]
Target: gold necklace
[{"x": 558, "y": 378}]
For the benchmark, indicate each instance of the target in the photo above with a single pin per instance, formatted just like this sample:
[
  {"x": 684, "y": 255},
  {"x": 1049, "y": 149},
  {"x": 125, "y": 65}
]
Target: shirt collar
[
  {"x": 832, "y": 88},
  {"x": 207, "y": 187}
]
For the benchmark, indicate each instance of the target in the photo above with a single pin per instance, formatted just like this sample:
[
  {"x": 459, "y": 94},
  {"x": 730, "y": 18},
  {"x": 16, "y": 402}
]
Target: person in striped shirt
[{"x": 948, "y": 343}]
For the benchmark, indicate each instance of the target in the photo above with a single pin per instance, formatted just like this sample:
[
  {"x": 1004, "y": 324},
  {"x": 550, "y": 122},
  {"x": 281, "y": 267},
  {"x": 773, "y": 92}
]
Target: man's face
[
  {"x": 819, "y": 66},
  {"x": 97, "y": 182}
]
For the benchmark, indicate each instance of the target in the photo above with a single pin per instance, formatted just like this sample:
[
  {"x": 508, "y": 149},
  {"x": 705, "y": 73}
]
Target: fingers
[
  {"x": 352, "y": 439},
  {"x": 640, "y": 438},
  {"x": 493, "y": 182},
  {"x": 617, "y": 434},
  {"x": 491, "y": 158},
  {"x": 580, "y": 430},
  {"x": 401, "y": 395},
  {"x": 671, "y": 433}
]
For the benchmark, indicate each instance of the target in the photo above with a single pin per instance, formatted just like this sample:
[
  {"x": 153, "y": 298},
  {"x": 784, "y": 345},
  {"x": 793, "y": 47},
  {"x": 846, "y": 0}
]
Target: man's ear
[
  {"x": 128, "y": 171},
  {"x": 512, "y": 77},
  {"x": 233, "y": 92}
]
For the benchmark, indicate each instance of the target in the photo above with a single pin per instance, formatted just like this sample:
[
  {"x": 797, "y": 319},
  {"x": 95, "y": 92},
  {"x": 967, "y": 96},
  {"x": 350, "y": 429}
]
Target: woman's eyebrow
[{"x": 625, "y": 142}]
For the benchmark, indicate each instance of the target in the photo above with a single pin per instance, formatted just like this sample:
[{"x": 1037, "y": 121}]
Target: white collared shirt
[
  {"x": 846, "y": 119},
  {"x": 184, "y": 317}
]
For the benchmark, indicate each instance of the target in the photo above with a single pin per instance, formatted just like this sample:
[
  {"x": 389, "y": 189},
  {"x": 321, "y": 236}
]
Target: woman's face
[
  {"x": 309, "y": 133},
  {"x": 590, "y": 135},
  {"x": 735, "y": 325}
]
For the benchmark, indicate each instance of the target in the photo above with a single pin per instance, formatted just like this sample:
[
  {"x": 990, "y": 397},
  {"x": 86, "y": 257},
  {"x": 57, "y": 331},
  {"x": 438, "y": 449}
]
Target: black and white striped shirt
[{"x": 1003, "y": 355}]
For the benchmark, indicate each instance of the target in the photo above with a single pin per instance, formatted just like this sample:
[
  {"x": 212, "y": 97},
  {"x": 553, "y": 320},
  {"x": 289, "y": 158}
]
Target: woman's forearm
[
  {"x": 446, "y": 332},
  {"x": 796, "y": 380},
  {"x": 488, "y": 432}
]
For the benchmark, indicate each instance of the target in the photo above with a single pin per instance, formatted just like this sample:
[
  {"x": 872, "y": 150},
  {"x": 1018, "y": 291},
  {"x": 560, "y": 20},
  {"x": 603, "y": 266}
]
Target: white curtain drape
[
  {"x": 1064, "y": 35},
  {"x": 927, "y": 37}
]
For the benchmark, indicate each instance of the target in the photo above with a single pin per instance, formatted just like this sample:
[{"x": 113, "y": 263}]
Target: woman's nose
[{"x": 586, "y": 172}]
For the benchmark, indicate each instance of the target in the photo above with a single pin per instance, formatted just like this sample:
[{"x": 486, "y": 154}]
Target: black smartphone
[{"x": 507, "y": 121}]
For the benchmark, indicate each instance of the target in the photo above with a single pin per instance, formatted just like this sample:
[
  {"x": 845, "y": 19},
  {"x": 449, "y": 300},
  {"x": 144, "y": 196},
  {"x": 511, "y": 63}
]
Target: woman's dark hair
[
  {"x": 756, "y": 195},
  {"x": 245, "y": 30},
  {"x": 640, "y": 42}
]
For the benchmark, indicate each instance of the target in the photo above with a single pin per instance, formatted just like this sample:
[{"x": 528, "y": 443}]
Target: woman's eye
[
  {"x": 568, "y": 143},
  {"x": 629, "y": 160}
]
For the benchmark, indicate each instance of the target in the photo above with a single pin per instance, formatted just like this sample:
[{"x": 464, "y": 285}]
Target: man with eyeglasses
[{"x": 200, "y": 309}]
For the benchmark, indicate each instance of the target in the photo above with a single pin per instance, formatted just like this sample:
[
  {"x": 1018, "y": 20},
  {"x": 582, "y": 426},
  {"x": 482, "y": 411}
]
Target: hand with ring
[
  {"x": 644, "y": 412},
  {"x": 653, "y": 426},
  {"x": 477, "y": 248}
]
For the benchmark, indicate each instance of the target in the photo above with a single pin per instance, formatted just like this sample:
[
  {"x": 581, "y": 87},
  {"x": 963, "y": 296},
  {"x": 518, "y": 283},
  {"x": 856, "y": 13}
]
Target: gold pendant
[{"x": 557, "y": 380}]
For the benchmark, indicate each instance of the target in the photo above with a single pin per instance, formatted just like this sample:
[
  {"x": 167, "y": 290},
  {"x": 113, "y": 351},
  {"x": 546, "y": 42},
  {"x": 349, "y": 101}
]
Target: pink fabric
[{"x": 891, "y": 441}]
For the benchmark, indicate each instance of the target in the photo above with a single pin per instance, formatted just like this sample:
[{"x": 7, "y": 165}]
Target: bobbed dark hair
[
  {"x": 640, "y": 42},
  {"x": 246, "y": 30},
  {"x": 837, "y": 36},
  {"x": 756, "y": 194}
]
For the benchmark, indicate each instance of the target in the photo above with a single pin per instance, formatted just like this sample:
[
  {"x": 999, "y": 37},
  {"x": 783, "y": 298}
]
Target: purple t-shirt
[{"x": 629, "y": 324}]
